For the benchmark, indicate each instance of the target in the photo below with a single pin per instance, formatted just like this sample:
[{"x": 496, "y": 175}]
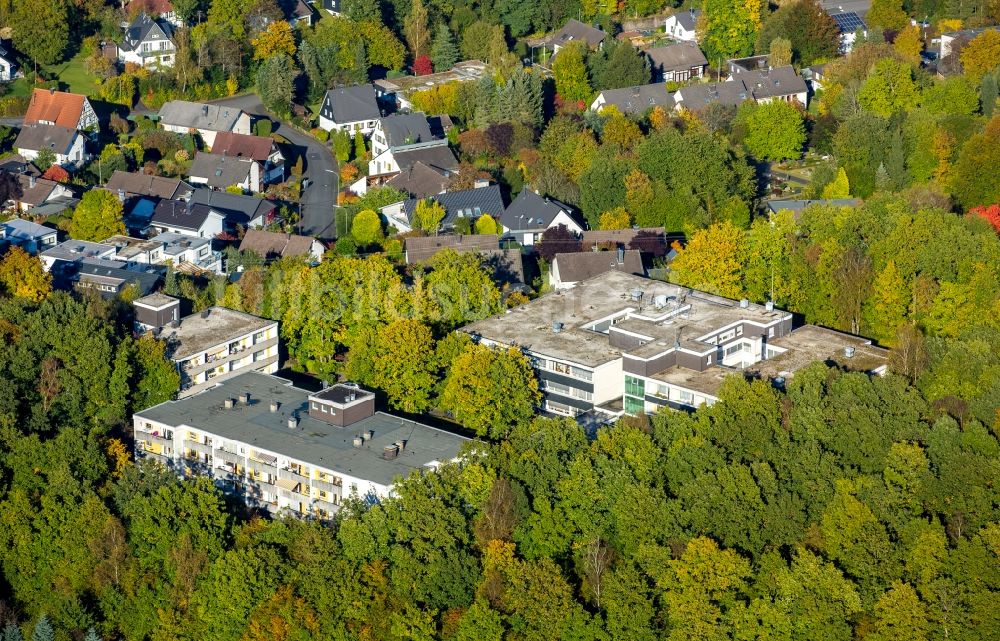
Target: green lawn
[{"x": 72, "y": 77}]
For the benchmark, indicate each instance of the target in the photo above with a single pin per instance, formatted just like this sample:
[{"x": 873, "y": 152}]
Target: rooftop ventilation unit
[
  {"x": 358, "y": 441},
  {"x": 293, "y": 422},
  {"x": 636, "y": 294},
  {"x": 556, "y": 327},
  {"x": 849, "y": 351},
  {"x": 769, "y": 305},
  {"x": 744, "y": 303},
  {"x": 245, "y": 398},
  {"x": 274, "y": 407},
  {"x": 229, "y": 403},
  {"x": 390, "y": 452}
]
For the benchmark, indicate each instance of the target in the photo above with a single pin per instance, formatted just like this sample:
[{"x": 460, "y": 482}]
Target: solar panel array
[{"x": 849, "y": 22}]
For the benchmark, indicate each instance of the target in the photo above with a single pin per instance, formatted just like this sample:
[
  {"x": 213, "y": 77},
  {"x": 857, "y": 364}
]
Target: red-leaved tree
[
  {"x": 423, "y": 66},
  {"x": 56, "y": 173},
  {"x": 991, "y": 213}
]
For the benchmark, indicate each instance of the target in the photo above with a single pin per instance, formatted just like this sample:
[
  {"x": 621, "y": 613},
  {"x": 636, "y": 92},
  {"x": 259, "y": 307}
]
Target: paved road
[{"x": 319, "y": 199}]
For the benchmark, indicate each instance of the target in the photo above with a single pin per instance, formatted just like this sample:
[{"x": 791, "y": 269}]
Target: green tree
[
  {"x": 889, "y": 88},
  {"x": 362, "y": 10},
  {"x": 887, "y": 306},
  {"x": 980, "y": 55},
  {"x": 366, "y": 228},
  {"x": 45, "y": 159},
  {"x": 813, "y": 34},
  {"x": 617, "y": 64},
  {"x": 774, "y": 130},
  {"x": 275, "y": 83},
  {"x": 40, "y": 30},
  {"x": 900, "y": 615},
  {"x": 730, "y": 27},
  {"x": 779, "y": 52},
  {"x": 359, "y": 145},
  {"x": 459, "y": 288},
  {"x": 887, "y": 14},
  {"x": 490, "y": 390},
  {"x": 403, "y": 365},
  {"x": 971, "y": 185},
  {"x": 444, "y": 51},
  {"x": 572, "y": 82},
  {"x": 428, "y": 216},
  {"x": 43, "y": 630},
  {"x": 98, "y": 216}
]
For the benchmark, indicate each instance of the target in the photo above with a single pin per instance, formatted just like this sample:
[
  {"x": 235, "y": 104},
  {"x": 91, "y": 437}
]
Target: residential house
[
  {"x": 621, "y": 238},
  {"x": 397, "y": 91},
  {"x": 955, "y": 40},
  {"x": 31, "y": 237},
  {"x": 575, "y": 31},
  {"x": 420, "y": 249},
  {"x": 750, "y": 64},
  {"x": 270, "y": 245},
  {"x": 77, "y": 264},
  {"x": 69, "y": 110},
  {"x": 401, "y": 140},
  {"x": 677, "y": 62},
  {"x": 181, "y": 116},
  {"x": 179, "y": 217},
  {"x": 264, "y": 151},
  {"x": 187, "y": 254},
  {"x": 529, "y": 215},
  {"x": 213, "y": 345},
  {"x": 636, "y": 101},
  {"x": 798, "y": 206},
  {"x": 421, "y": 180},
  {"x": 332, "y": 7},
  {"x": 814, "y": 76},
  {"x": 850, "y": 24},
  {"x": 147, "y": 42},
  {"x": 245, "y": 212},
  {"x": 288, "y": 451},
  {"x": 763, "y": 86},
  {"x": 620, "y": 342},
  {"x": 682, "y": 25},
  {"x": 38, "y": 192},
  {"x": 127, "y": 184},
  {"x": 299, "y": 13},
  {"x": 68, "y": 145},
  {"x": 8, "y": 65},
  {"x": 467, "y": 203},
  {"x": 569, "y": 269},
  {"x": 221, "y": 172},
  {"x": 350, "y": 109}
]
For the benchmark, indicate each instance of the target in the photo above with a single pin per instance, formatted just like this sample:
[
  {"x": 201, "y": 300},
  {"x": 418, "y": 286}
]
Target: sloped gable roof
[
  {"x": 268, "y": 243},
  {"x": 237, "y": 208},
  {"x": 636, "y": 100},
  {"x": 351, "y": 104},
  {"x": 419, "y": 180},
  {"x": 145, "y": 28},
  {"x": 220, "y": 171},
  {"x": 177, "y": 213},
  {"x": 196, "y": 115},
  {"x": 422, "y": 248},
  {"x": 228, "y": 143},
  {"x": 53, "y": 137},
  {"x": 683, "y": 55},
  {"x": 576, "y": 30},
  {"x": 576, "y": 266},
  {"x": 145, "y": 185},
  {"x": 531, "y": 211},
  {"x": 55, "y": 107},
  {"x": 406, "y": 129}
]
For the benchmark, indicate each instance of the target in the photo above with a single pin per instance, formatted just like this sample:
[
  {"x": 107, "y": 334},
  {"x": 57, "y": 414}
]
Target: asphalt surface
[{"x": 319, "y": 199}]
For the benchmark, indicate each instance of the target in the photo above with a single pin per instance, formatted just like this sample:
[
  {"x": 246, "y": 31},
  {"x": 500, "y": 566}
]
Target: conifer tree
[{"x": 444, "y": 51}]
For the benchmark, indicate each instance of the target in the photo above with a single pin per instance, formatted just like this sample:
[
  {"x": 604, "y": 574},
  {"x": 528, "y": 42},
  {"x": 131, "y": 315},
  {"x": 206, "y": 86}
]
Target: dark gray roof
[
  {"x": 576, "y": 30},
  {"x": 529, "y": 211},
  {"x": 636, "y": 100},
  {"x": 196, "y": 115},
  {"x": 237, "y": 208},
  {"x": 144, "y": 28},
  {"x": 688, "y": 19},
  {"x": 439, "y": 157},
  {"x": 781, "y": 81},
  {"x": 750, "y": 63},
  {"x": 676, "y": 57},
  {"x": 351, "y": 104},
  {"x": 53, "y": 137},
  {"x": 731, "y": 94},
  {"x": 406, "y": 129},
  {"x": 469, "y": 203},
  {"x": 220, "y": 171},
  {"x": 314, "y": 442},
  {"x": 177, "y": 213}
]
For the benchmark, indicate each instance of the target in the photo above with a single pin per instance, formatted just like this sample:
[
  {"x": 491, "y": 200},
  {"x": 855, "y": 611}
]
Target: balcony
[
  {"x": 212, "y": 361},
  {"x": 154, "y": 437},
  {"x": 326, "y": 506},
  {"x": 230, "y": 457},
  {"x": 291, "y": 475},
  {"x": 326, "y": 486},
  {"x": 201, "y": 448}
]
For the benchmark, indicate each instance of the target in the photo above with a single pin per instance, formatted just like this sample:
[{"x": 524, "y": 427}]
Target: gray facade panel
[
  {"x": 578, "y": 403},
  {"x": 546, "y": 375}
]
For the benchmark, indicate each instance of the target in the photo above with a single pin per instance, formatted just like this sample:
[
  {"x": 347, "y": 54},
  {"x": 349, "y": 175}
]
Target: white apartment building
[{"x": 288, "y": 451}]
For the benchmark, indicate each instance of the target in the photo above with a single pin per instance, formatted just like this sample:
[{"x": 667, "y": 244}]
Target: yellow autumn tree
[
  {"x": 839, "y": 188},
  {"x": 22, "y": 276},
  {"x": 981, "y": 55},
  {"x": 616, "y": 218},
  {"x": 909, "y": 44},
  {"x": 277, "y": 39},
  {"x": 713, "y": 260}
]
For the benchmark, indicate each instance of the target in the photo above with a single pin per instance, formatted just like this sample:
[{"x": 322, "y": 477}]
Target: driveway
[{"x": 319, "y": 199}]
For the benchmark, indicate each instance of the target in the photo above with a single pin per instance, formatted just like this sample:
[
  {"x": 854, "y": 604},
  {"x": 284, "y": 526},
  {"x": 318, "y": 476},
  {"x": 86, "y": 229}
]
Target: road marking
[{"x": 329, "y": 170}]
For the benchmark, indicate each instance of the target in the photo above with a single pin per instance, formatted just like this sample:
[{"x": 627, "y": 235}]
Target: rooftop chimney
[
  {"x": 229, "y": 403},
  {"x": 245, "y": 398},
  {"x": 274, "y": 406},
  {"x": 293, "y": 422},
  {"x": 390, "y": 452},
  {"x": 744, "y": 303},
  {"x": 358, "y": 441},
  {"x": 849, "y": 351}
]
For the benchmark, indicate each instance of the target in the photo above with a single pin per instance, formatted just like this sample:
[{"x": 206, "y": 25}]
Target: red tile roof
[
  {"x": 55, "y": 107},
  {"x": 230, "y": 144}
]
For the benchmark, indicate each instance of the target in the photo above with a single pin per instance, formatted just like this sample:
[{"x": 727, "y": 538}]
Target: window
[
  {"x": 732, "y": 349},
  {"x": 686, "y": 397},
  {"x": 770, "y": 332},
  {"x": 635, "y": 386},
  {"x": 739, "y": 331},
  {"x": 259, "y": 336},
  {"x": 315, "y": 405},
  {"x": 634, "y": 405},
  {"x": 582, "y": 374}
]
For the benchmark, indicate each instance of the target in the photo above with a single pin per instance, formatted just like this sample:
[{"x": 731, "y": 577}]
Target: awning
[
  {"x": 287, "y": 484},
  {"x": 266, "y": 458}
]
